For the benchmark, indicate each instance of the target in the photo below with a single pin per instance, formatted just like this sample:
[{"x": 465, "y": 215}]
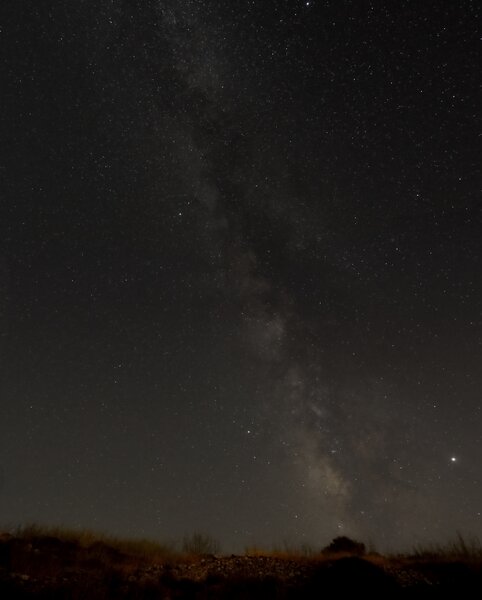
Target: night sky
[{"x": 241, "y": 269}]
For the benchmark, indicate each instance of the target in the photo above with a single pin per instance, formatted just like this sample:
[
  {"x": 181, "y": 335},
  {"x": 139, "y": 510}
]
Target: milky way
[{"x": 240, "y": 269}]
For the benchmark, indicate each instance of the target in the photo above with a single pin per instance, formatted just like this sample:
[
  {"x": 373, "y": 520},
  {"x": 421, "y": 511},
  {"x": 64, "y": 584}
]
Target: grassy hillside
[{"x": 39, "y": 562}]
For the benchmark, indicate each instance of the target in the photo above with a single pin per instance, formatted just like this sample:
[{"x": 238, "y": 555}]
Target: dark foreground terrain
[{"x": 53, "y": 568}]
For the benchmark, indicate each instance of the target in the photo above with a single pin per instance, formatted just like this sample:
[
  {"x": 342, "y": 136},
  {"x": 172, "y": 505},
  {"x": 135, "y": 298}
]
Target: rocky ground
[{"x": 52, "y": 568}]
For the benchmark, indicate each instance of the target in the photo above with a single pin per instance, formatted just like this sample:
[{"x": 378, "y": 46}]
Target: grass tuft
[{"x": 460, "y": 548}]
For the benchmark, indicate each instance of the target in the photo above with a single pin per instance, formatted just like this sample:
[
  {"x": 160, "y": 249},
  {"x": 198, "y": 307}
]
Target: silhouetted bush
[{"x": 346, "y": 545}]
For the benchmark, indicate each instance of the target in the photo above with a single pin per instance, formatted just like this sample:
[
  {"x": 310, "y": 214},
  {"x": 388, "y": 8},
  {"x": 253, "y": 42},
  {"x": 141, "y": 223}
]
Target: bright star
[{"x": 453, "y": 459}]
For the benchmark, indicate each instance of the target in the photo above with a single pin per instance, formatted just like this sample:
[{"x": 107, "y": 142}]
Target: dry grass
[
  {"x": 71, "y": 563},
  {"x": 460, "y": 548},
  {"x": 141, "y": 548},
  {"x": 199, "y": 543}
]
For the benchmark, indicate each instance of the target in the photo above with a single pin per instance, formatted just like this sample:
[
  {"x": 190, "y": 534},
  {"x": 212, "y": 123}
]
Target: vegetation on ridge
[{"x": 53, "y": 562}]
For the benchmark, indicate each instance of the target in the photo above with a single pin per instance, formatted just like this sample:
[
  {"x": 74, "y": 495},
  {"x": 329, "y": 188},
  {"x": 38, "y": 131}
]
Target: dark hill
[{"x": 54, "y": 568}]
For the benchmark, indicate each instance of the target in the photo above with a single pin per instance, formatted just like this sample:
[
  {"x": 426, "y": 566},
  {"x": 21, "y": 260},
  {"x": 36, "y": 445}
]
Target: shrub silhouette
[
  {"x": 345, "y": 545},
  {"x": 200, "y": 543}
]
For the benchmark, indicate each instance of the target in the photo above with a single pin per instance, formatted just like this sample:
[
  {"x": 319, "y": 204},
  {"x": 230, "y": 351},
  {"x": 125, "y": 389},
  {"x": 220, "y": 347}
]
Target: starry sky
[{"x": 240, "y": 269}]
